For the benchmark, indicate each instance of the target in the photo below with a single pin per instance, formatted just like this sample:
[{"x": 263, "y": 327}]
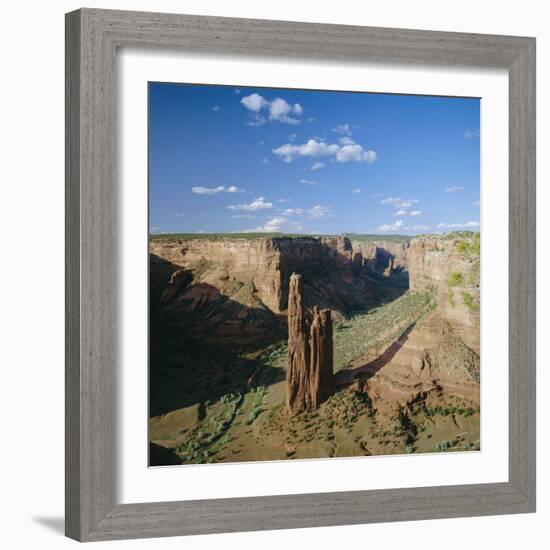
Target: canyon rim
[{"x": 314, "y": 274}]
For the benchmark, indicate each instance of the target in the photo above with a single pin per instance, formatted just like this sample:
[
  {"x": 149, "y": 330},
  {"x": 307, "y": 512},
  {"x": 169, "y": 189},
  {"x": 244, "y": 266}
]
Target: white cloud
[
  {"x": 309, "y": 182},
  {"x": 417, "y": 227},
  {"x": 317, "y": 165},
  {"x": 155, "y": 228},
  {"x": 254, "y": 102},
  {"x": 398, "y": 224},
  {"x": 265, "y": 161},
  {"x": 471, "y": 133},
  {"x": 415, "y": 213},
  {"x": 208, "y": 190},
  {"x": 293, "y": 212},
  {"x": 458, "y": 225},
  {"x": 243, "y": 216},
  {"x": 291, "y": 137},
  {"x": 180, "y": 215},
  {"x": 454, "y": 189},
  {"x": 278, "y": 109},
  {"x": 356, "y": 190},
  {"x": 401, "y": 213},
  {"x": 215, "y": 190},
  {"x": 318, "y": 211},
  {"x": 256, "y": 120},
  {"x": 277, "y": 224},
  {"x": 256, "y": 204},
  {"x": 477, "y": 203},
  {"x": 311, "y": 119},
  {"x": 346, "y": 141},
  {"x": 343, "y": 129},
  {"x": 313, "y": 148},
  {"x": 216, "y": 108},
  {"x": 398, "y": 202},
  {"x": 283, "y": 200}
]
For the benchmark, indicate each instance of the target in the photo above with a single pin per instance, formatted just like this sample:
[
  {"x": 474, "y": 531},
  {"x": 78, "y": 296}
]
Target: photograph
[{"x": 314, "y": 274}]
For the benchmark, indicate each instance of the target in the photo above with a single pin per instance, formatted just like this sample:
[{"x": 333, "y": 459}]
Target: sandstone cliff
[
  {"x": 309, "y": 376},
  {"x": 450, "y": 265},
  {"x": 245, "y": 281}
]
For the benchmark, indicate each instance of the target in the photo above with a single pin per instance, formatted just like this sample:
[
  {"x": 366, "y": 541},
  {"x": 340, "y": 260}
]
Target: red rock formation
[
  {"x": 321, "y": 376},
  {"x": 309, "y": 374},
  {"x": 297, "y": 376}
]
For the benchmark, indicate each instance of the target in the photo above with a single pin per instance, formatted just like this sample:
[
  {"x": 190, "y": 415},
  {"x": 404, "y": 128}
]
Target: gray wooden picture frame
[{"x": 92, "y": 39}]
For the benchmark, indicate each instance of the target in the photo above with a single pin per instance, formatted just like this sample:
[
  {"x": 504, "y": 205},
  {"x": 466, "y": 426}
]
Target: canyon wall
[
  {"x": 451, "y": 267},
  {"x": 243, "y": 284},
  {"x": 265, "y": 266}
]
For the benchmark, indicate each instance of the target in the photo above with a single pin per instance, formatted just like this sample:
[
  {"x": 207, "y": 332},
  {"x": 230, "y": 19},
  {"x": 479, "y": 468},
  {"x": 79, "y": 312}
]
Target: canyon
[{"x": 229, "y": 314}]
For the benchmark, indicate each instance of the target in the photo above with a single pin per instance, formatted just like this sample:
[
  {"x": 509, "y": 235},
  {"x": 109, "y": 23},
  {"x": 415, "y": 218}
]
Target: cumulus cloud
[
  {"x": 398, "y": 202},
  {"x": 277, "y": 224},
  {"x": 417, "y": 227},
  {"x": 293, "y": 212},
  {"x": 283, "y": 200},
  {"x": 398, "y": 224},
  {"x": 199, "y": 190},
  {"x": 458, "y": 225},
  {"x": 257, "y": 204},
  {"x": 318, "y": 211},
  {"x": 346, "y": 141},
  {"x": 313, "y": 148},
  {"x": 317, "y": 165},
  {"x": 254, "y": 102},
  {"x": 343, "y": 129},
  {"x": 308, "y": 182},
  {"x": 415, "y": 213},
  {"x": 401, "y": 213},
  {"x": 454, "y": 189},
  {"x": 278, "y": 109}
]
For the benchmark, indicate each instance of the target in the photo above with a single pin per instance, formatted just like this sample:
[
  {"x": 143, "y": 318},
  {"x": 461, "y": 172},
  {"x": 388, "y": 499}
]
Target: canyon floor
[{"x": 406, "y": 357}]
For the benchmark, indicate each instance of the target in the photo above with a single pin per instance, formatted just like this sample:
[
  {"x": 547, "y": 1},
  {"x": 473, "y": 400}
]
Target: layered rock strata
[{"x": 310, "y": 353}]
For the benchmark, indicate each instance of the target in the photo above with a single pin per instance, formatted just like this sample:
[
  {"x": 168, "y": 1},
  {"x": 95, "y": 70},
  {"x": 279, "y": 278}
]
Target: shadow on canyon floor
[{"x": 347, "y": 377}]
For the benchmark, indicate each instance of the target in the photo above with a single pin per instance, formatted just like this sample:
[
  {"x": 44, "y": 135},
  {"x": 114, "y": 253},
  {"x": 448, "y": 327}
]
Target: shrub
[
  {"x": 455, "y": 279},
  {"x": 468, "y": 301}
]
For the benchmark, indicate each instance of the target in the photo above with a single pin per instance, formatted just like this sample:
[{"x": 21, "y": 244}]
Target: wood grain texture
[{"x": 92, "y": 37}]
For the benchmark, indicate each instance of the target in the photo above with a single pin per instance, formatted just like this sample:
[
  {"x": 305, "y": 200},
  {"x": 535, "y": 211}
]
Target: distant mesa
[{"x": 309, "y": 379}]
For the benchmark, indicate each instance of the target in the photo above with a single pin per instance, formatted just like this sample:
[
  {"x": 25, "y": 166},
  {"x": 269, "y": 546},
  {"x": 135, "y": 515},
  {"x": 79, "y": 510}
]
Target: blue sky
[{"x": 236, "y": 159}]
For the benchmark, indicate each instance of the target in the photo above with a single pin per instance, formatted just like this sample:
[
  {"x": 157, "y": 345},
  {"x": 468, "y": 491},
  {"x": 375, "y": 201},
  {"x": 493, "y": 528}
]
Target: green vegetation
[
  {"x": 468, "y": 301},
  {"x": 451, "y": 299},
  {"x": 444, "y": 446},
  {"x": 373, "y": 238},
  {"x": 455, "y": 279},
  {"x": 470, "y": 247},
  {"x": 373, "y": 331}
]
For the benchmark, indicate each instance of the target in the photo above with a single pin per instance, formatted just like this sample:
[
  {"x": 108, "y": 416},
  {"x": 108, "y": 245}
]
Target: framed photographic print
[{"x": 300, "y": 275}]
